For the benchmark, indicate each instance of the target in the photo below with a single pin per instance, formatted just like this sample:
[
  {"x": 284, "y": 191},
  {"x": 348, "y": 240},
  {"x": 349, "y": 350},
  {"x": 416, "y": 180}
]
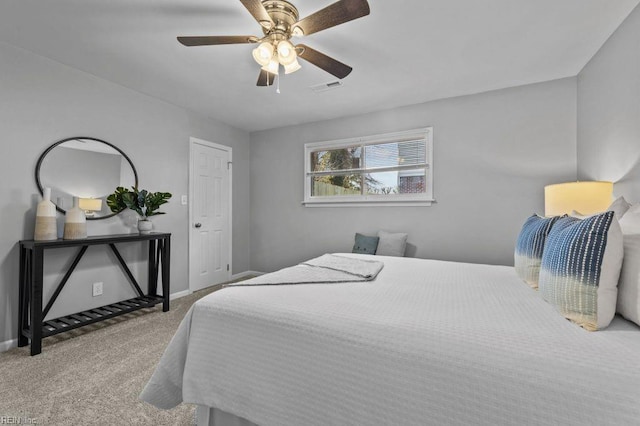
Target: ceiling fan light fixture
[
  {"x": 279, "y": 23},
  {"x": 263, "y": 54},
  {"x": 292, "y": 67},
  {"x": 286, "y": 53},
  {"x": 272, "y": 66}
]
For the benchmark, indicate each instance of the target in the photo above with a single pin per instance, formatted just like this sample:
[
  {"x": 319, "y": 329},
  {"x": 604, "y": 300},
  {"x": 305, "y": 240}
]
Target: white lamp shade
[
  {"x": 292, "y": 67},
  {"x": 91, "y": 204},
  {"x": 584, "y": 198},
  {"x": 272, "y": 66},
  {"x": 263, "y": 54},
  {"x": 286, "y": 53}
]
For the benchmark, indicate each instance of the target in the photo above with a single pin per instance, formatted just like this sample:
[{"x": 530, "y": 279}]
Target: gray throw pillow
[
  {"x": 365, "y": 244},
  {"x": 391, "y": 244}
]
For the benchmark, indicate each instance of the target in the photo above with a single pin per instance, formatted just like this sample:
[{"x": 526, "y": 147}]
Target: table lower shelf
[{"x": 90, "y": 316}]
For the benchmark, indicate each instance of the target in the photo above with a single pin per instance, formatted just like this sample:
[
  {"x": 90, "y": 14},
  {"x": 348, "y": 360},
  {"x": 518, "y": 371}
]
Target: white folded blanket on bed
[{"x": 327, "y": 268}]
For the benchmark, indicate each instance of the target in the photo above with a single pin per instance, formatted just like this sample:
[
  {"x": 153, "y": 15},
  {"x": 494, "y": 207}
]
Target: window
[{"x": 394, "y": 169}]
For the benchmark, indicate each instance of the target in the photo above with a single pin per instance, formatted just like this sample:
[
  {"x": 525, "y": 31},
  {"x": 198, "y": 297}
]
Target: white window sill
[{"x": 369, "y": 203}]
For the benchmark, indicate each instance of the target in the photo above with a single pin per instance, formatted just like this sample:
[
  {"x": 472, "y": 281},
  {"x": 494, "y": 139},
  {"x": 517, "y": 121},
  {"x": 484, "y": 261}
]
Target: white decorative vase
[
  {"x": 75, "y": 222},
  {"x": 145, "y": 226},
  {"x": 46, "y": 229}
]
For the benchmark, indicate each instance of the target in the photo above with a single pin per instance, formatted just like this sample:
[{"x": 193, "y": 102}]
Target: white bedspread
[{"x": 432, "y": 343}]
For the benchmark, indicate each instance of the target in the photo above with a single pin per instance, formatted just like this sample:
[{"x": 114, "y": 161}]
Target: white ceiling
[{"x": 405, "y": 52}]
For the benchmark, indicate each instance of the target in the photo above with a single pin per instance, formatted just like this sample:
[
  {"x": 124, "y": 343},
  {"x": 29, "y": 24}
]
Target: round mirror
[{"x": 87, "y": 168}]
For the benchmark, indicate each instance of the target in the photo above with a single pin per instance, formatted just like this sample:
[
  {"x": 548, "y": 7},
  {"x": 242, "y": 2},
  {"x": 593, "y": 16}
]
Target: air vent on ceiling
[{"x": 326, "y": 86}]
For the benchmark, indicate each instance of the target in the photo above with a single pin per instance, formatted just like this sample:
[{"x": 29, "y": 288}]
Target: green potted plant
[{"x": 143, "y": 202}]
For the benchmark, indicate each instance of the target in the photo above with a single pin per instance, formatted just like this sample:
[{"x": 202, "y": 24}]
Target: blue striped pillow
[
  {"x": 580, "y": 269},
  {"x": 528, "y": 253}
]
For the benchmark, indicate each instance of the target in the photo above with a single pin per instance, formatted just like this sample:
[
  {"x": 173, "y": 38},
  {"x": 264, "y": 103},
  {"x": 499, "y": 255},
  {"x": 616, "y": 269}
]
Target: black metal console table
[{"x": 31, "y": 314}]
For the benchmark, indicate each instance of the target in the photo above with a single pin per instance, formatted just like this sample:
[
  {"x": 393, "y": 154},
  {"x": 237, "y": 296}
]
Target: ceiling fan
[{"x": 279, "y": 21}]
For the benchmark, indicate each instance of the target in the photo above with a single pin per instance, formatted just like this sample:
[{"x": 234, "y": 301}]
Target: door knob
[{"x": 198, "y": 225}]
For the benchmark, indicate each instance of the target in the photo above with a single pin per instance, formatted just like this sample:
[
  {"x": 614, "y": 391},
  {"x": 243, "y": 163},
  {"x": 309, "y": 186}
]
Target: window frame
[{"x": 422, "y": 199}]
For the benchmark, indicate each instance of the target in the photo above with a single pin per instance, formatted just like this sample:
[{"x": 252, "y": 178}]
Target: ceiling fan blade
[
  {"x": 323, "y": 61},
  {"x": 332, "y": 15},
  {"x": 266, "y": 78},
  {"x": 257, "y": 10},
  {"x": 214, "y": 40}
]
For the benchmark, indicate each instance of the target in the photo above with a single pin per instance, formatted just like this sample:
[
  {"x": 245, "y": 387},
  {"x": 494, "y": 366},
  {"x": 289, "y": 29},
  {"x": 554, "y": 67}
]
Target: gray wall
[
  {"x": 42, "y": 101},
  {"x": 609, "y": 112},
  {"x": 494, "y": 153}
]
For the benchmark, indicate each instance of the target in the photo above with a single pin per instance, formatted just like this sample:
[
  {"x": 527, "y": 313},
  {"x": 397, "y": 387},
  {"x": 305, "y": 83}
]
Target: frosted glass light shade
[
  {"x": 292, "y": 67},
  {"x": 91, "y": 204},
  {"x": 263, "y": 54},
  {"x": 584, "y": 198},
  {"x": 272, "y": 66},
  {"x": 286, "y": 53}
]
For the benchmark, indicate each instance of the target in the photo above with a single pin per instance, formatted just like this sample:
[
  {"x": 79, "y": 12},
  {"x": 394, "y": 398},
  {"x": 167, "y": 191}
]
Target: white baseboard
[
  {"x": 245, "y": 274},
  {"x": 179, "y": 294},
  {"x": 9, "y": 344}
]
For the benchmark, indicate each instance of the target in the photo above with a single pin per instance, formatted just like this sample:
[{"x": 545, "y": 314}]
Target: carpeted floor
[{"x": 93, "y": 375}]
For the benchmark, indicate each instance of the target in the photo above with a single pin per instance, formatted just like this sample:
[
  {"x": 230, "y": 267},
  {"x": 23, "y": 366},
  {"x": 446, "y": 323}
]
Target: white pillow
[
  {"x": 619, "y": 207},
  {"x": 391, "y": 244},
  {"x": 629, "y": 284},
  {"x": 630, "y": 222},
  {"x": 579, "y": 215}
]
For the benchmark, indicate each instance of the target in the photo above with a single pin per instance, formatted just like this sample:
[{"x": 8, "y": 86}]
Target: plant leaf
[
  {"x": 115, "y": 201},
  {"x": 143, "y": 202}
]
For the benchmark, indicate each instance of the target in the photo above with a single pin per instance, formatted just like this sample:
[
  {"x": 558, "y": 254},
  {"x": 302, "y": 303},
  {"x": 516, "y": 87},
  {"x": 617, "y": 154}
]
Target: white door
[{"x": 210, "y": 213}]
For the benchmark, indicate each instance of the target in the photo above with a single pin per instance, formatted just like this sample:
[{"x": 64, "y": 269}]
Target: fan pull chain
[{"x": 278, "y": 84}]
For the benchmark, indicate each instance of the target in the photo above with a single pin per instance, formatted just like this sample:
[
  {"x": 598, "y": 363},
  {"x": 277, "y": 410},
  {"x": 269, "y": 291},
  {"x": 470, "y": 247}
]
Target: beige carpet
[{"x": 93, "y": 375}]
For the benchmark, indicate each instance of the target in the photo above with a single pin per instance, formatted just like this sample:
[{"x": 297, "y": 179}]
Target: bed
[{"x": 426, "y": 343}]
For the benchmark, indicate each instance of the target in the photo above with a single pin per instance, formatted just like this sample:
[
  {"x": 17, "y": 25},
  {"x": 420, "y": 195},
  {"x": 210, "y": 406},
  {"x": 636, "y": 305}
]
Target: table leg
[
  {"x": 166, "y": 272},
  {"x": 152, "y": 278},
  {"x": 22, "y": 298},
  {"x": 37, "y": 263}
]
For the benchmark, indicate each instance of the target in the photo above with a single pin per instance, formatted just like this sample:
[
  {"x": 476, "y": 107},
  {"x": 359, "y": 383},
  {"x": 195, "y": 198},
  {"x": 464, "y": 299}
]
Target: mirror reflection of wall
[
  {"x": 85, "y": 168},
  {"x": 126, "y": 174}
]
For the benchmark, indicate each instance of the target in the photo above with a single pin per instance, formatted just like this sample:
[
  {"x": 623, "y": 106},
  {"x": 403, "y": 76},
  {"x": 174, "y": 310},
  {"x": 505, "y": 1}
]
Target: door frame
[{"x": 195, "y": 141}]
